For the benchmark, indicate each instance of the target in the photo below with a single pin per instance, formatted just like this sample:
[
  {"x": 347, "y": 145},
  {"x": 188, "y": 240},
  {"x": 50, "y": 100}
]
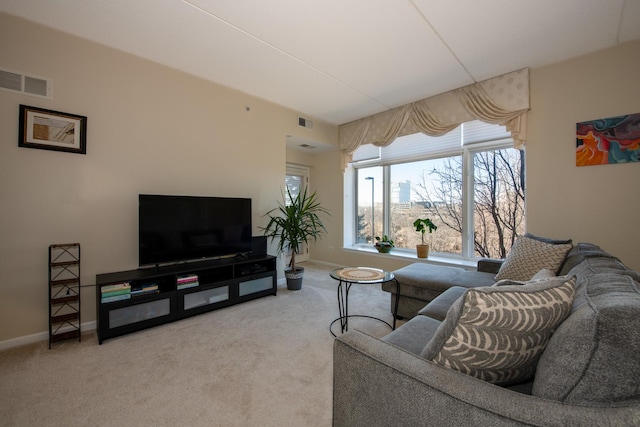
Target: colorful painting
[{"x": 611, "y": 140}]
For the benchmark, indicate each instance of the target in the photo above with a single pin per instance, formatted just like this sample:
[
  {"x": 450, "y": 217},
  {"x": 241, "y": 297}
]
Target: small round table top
[{"x": 362, "y": 275}]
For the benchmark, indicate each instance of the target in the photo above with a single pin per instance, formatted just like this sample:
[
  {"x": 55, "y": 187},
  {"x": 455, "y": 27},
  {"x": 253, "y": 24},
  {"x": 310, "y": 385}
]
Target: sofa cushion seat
[
  {"x": 437, "y": 309},
  {"x": 413, "y": 335},
  {"x": 427, "y": 281}
]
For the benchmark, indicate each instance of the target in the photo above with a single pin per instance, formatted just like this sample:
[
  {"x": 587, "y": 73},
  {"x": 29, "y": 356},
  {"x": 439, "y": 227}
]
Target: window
[
  {"x": 296, "y": 179},
  {"x": 470, "y": 182}
]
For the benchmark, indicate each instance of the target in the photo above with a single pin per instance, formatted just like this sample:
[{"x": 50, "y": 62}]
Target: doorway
[{"x": 297, "y": 179}]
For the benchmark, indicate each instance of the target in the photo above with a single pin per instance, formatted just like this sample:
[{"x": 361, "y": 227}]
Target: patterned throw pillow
[
  {"x": 528, "y": 256},
  {"x": 497, "y": 334}
]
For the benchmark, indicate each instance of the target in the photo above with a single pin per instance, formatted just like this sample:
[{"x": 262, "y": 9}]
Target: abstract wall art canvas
[{"x": 608, "y": 141}]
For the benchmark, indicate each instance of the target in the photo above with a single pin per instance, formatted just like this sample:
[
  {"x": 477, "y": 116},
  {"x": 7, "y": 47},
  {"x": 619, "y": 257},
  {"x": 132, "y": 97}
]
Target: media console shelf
[{"x": 129, "y": 301}]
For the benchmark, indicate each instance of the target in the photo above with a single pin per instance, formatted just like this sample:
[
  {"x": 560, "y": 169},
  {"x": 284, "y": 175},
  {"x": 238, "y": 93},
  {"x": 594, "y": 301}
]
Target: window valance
[{"x": 501, "y": 100}]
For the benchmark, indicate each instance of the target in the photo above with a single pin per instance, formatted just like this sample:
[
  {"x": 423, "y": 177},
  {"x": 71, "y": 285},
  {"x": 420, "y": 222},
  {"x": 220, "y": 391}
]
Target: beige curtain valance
[{"x": 501, "y": 100}]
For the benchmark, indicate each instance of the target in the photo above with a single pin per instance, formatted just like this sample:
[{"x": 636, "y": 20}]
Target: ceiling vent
[
  {"x": 306, "y": 123},
  {"x": 21, "y": 83}
]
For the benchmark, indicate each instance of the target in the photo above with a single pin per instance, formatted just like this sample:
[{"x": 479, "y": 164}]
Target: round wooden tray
[{"x": 360, "y": 274}]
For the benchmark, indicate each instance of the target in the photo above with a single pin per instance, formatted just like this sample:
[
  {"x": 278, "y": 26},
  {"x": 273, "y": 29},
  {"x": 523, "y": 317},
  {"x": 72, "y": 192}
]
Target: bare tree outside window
[
  {"x": 499, "y": 201},
  {"x": 499, "y": 194}
]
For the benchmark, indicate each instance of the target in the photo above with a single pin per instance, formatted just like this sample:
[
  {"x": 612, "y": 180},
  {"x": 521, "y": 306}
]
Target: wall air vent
[
  {"x": 12, "y": 81},
  {"x": 306, "y": 123}
]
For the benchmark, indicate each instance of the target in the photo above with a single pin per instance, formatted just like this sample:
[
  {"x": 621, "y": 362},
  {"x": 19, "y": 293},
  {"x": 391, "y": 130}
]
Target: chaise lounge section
[
  {"x": 421, "y": 283},
  {"x": 587, "y": 372}
]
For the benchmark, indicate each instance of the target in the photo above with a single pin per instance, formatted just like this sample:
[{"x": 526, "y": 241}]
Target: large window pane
[
  {"x": 469, "y": 182},
  {"x": 427, "y": 189},
  {"x": 498, "y": 201},
  {"x": 293, "y": 184},
  {"x": 370, "y": 217}
]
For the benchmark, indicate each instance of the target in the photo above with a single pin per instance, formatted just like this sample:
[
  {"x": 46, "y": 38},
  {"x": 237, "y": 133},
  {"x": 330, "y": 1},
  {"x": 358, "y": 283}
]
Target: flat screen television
[{"x": 180, "y": 228}]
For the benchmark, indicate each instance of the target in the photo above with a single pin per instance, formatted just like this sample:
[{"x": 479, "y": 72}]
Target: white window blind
[
  {"x": 366, "y": 152},
  {"x": 420, "y": 146},
  {"x": 477, "y": 131}
]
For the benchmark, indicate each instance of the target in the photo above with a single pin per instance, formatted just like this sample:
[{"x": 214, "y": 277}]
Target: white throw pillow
[{"x": 543, "y": 274}]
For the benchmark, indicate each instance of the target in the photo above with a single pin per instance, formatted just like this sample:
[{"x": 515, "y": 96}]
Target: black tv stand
[{"x": 129, "y": 301}]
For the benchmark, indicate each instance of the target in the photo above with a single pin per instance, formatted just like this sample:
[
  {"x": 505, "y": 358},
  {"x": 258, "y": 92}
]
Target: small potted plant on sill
[
  {"x": 384, "y": 244},
  {"x": 422, "y": 225}
]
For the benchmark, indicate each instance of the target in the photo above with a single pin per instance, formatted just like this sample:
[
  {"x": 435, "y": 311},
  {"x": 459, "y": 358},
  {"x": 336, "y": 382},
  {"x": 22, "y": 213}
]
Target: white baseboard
[
  {"x": 326, "y": 264},
  {"x": 40, "y": 336}
]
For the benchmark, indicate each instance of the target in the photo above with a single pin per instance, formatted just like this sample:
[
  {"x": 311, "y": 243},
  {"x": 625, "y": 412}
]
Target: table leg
[
  {"x": 343, "y": 307},
  {"x": 395, "y": 309},
  {"x": 343, "y": 304}
]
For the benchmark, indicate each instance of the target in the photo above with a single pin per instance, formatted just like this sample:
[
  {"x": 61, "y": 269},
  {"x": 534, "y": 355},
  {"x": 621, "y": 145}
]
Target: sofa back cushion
[
  {"x": 586, "y": 259},
  {"x": 497, "y": 334},
  {"x": 549, "y": 239},
  {"x": 593, "y": 356}
]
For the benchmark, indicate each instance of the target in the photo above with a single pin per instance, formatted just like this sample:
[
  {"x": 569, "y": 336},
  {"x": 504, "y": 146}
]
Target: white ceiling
[{"x": 341, "y": 60}]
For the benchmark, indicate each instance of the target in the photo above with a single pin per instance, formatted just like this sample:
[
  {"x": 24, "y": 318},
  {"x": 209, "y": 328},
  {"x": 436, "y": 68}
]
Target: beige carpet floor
[{"x": 267, "y": 362}]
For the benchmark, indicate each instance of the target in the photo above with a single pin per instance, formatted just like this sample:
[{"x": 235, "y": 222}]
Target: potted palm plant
[
  {"x": 422, "y": 225},
  {"x": 294, "y": 225}
]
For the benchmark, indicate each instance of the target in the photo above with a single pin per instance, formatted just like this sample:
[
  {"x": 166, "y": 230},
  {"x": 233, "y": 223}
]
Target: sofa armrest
[
  {"x": 489, "y": 265},
  {"x": 378, "y": 384}
]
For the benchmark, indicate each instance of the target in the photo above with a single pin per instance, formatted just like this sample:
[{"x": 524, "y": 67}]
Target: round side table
[{"x": 346, "y": 277}]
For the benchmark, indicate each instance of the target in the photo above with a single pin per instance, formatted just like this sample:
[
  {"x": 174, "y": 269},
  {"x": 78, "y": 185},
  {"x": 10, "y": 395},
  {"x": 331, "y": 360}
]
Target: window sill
[{"x": 408, "y": 255}]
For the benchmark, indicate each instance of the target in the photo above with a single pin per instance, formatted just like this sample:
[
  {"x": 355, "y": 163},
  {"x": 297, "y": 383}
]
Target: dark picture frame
[{"x": 52, "y": 130}]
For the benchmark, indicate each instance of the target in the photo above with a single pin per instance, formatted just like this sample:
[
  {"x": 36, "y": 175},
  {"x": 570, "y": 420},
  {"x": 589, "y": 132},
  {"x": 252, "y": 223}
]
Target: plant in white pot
[
  {"x": 422, "y": 225},
  {"x": 294, "y": 225}
]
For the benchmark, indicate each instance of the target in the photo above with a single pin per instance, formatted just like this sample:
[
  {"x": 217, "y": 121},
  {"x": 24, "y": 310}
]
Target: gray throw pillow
[
  {"x": 497, "y": 334},
  {"x": 528, "y": 256}
]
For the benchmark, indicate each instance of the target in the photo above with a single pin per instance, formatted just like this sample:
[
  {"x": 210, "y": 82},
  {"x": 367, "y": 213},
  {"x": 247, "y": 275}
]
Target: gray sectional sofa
[{"x": 588, "y": 373}]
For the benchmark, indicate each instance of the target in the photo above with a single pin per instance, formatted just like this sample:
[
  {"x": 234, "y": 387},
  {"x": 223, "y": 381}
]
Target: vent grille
[
  {"x": 10, "y": 81},
  {"x": 21, "y": 83},
  {"x": 305, "y": 122}
]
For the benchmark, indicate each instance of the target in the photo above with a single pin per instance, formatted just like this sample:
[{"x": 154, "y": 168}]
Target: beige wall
[
  {"x": 597, "y": 204},
  {"x": 151, "y": 129}
]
